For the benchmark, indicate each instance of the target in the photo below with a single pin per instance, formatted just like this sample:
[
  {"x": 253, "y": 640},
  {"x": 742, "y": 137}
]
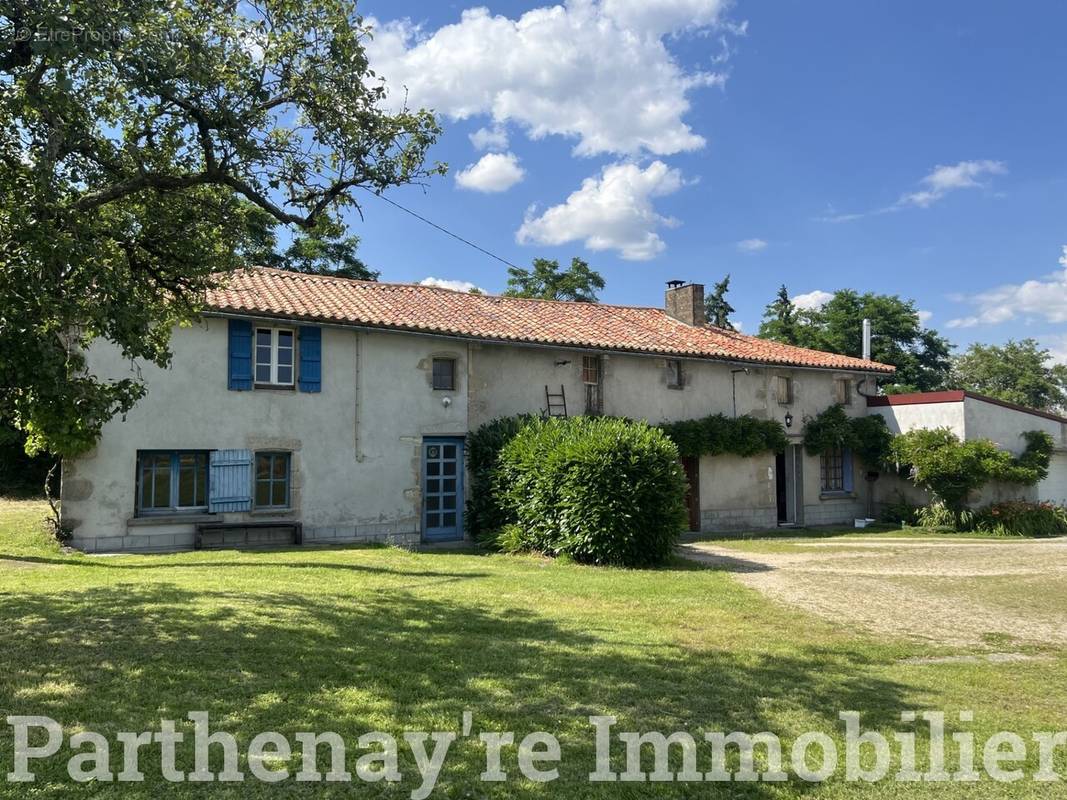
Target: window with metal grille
[
  {"x": 272, "y": 480},
  {"x": 832, "y": 470},
  {"x": 590, "y": 369},
  {"x": 444, "y": 374},
  {"x": 275, "y": 349},
  {"x": 171, "y": 481},
  {"x": 591, "y": 379}
]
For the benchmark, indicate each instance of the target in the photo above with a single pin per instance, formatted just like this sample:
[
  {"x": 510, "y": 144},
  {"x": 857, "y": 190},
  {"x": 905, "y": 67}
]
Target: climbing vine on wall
[
  {"x": 867, "y": 437},
  {"x": 720, "y": 435},
  {"x": 936, "y": 460}
]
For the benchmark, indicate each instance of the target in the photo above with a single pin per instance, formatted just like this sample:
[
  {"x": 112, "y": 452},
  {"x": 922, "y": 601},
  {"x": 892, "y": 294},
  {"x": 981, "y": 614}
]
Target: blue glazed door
[{"x": 442, "y": 489}]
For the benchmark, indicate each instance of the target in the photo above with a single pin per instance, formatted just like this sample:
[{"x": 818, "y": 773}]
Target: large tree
[
  {"x": 780, "y": 319},
  {"x": 141, "y": 143},
  {"x": 921, "y": 355},
  {"x": 1018, "y": 372},
  {"x": 548, "y": 281},
  {"x": 326, "y": 249},
  {"x": 717, "y": 308}
]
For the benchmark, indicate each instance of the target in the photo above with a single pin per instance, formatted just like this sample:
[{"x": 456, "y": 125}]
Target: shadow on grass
[
  {"x": 106, "y": 563},
  {"x": 121, "y": 657},
  {"x": 721, "y": 561}
]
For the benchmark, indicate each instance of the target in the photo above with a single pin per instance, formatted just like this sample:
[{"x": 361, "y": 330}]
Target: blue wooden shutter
[
  {"x": 310, "y": 359},
  {"x": 846, "y": 463},
  {"x": 240, "y": 355},
  {"x": 230, "y": 481}
]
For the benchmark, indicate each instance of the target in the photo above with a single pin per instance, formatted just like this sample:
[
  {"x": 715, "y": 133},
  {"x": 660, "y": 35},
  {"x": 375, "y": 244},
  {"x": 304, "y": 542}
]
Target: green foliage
[
  {"x": 719, "y": 435},
  {"x": 1018, "y": 372},
  {"x": 921, "y": 355},
  {"x": 1020, "y": 518},
  {"x": 509, "y": 539},
  {"x": 938, "y": 515},
  {"x": 600, "y": 490},
  {"x": 717, "y": 308},
  {"x": 485, "y": 515},
  {"x": 1031, "y": 466},
  {"x": 950, "y": 469},
  {"x": 323, "y": 250},
  {"x": 901, "y": 511},
  {"x": 867, "y": 437},
  {"x": 780, "y": 319},
  {"x": 545, "y": 281},
  {"x": 135, "y": 166},
  {"x": 19, "y": 472}
]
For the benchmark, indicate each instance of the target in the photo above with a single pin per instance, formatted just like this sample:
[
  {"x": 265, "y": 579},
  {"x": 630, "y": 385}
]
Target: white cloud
[
  {"x": 813, "y": 300},
  {"x": 1056, "y": 344},
  {"x": 935, "y": 185},
  {"x": 596, "y": 70},
  {"x": 1043, "y": 299},
  {"x": 445, "y": 283},
  {"x": 925, "y": 316},
  {"x": 495, "y": 138},
  {"x": 659, "y": 17},
  {"x": 944, "y": 179},
  {"x": 493, "y": 172},
  {"x": 612, "y": 211},
  {"x": 751, "y": 245}
]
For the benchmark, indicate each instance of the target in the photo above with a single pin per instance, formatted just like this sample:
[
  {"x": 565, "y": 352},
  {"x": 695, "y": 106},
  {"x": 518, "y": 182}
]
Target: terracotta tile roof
[{"x": 267, "y": 292}]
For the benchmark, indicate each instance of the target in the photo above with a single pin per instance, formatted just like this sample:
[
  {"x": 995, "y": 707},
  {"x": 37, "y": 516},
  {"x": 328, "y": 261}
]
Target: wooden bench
[{"x": 214, "y": 535}]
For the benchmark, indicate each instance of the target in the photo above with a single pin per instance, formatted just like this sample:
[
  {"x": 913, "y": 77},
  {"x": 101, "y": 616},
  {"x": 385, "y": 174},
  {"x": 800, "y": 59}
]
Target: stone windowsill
[
  {"x": 837, "y": 495},
  {"x": 169, "y": 519}
]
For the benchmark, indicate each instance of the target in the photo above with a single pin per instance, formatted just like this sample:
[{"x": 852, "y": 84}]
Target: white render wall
[{"x": 356, "y": 445}]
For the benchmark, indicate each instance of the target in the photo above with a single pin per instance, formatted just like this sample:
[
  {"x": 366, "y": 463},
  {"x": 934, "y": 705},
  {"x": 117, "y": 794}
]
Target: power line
[{"x": 433, "y": 224}]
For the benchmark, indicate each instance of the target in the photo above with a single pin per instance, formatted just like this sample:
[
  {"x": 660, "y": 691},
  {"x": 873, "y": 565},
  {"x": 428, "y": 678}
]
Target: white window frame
[{"x": 273, "y": 356}]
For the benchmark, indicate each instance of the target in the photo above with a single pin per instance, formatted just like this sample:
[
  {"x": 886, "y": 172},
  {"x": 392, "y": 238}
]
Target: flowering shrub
[{"x": 1020, "y": 518}]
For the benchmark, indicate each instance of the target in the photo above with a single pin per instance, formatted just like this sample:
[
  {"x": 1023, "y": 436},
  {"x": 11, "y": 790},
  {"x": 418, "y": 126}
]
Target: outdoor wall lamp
[{"x": 788, "y": 420}]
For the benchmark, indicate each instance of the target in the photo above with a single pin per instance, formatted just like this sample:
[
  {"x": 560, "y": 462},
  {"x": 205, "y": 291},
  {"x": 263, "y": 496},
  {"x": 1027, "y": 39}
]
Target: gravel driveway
[{"x": 950, "y": 591}]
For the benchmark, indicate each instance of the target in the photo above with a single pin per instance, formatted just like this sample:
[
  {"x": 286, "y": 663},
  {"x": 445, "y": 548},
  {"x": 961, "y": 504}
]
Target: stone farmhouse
[{"x": 334, "y": 410}]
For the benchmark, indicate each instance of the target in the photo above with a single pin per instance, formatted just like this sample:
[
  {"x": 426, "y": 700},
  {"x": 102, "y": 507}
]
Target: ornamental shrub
[
  {"x": 1019, "y": 518},
  {"x": 485, "y": 515},
  {"x": 950, "y": 470},
  {"x": 600, "y": 490}
]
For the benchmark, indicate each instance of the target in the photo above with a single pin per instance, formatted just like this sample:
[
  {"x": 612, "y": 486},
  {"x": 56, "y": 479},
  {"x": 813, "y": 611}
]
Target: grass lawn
[{"x": 354, "y": 640}]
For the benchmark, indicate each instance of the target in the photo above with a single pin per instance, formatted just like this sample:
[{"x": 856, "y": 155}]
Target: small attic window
[
  {"x": 675, "y": 375},
  {"x": 444, "y": 374}
]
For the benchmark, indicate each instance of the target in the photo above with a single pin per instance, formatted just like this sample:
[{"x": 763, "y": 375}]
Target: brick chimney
[{"x": 685, "y": 302}]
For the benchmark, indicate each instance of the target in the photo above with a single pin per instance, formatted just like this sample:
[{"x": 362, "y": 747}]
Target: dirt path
[{"x": 952, "y": 593}]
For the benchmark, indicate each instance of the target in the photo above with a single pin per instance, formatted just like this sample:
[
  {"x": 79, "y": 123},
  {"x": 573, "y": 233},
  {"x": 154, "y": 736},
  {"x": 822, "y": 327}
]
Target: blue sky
[{"x": 784, "y": 142}]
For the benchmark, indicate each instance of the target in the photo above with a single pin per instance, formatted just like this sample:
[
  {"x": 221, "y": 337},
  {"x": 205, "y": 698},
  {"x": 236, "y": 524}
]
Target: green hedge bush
[
  {"x": 600, "y": 490},
  {"x": 485, "y": 515}
]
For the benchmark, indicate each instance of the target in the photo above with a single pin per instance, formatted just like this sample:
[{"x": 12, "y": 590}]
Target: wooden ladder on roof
[{"x": 557, "y": 403}]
